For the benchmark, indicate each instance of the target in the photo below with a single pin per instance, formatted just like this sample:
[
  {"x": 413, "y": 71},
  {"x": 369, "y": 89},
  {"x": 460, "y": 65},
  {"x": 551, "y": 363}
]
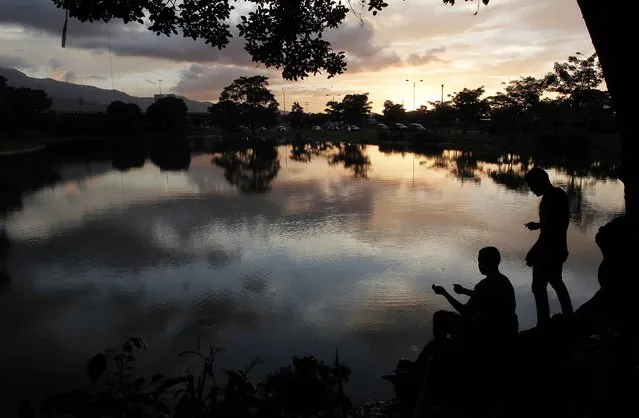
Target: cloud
[
  {"x": 429, "y": 56},
  {"x": 134, "y": 40},
  {"x": 445, "y": 45},
  {"x": 70, "y": 77},
  {"x": 42, "y": 16},
  {"x": 55, "y": 64},
  {"x": 363, "y": 53},
  {"x": 8, "y": 61},
  {"x": 201, "y": 82}
]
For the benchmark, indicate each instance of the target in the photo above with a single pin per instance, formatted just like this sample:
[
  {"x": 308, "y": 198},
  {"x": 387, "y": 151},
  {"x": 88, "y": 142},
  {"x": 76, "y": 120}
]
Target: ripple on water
[{"x": 323, "y": 259}]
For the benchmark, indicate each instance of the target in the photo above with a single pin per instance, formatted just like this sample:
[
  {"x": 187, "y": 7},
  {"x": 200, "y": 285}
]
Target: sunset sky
[{"x": 412, "y": 39}]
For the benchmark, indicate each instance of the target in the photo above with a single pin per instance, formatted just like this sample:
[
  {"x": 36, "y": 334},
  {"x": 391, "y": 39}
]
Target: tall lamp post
[
  {"x": 284, "y": 94},
  {"x": 414, "y": 82}
]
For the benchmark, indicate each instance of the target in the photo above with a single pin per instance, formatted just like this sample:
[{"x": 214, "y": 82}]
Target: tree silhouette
[
  {"x": 168, "y": 111},
  {"x": 225, "y": 114},
  {"x": 393, "y": 112},
  {"x": 469, "y": 105},
  {"x": 20, "y": 107},
  {"x": 352, "y": 110},
  {"x": 124, "y": 115},
  {"x": 573, "y": 79},
  {"x": 247, "y": 101},
  {"x": 297, "y": 117},
  {"x": 442, "y": 114}
]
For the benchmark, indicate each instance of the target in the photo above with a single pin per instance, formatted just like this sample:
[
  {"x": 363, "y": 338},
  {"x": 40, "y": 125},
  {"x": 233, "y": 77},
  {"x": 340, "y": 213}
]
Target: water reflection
[
  {"x": 5, "y": 282},
  {"x": 250, "y": 170},
  {"x": 508, "y": 170},
  {"x": 21, "y": 176},
  {"x": 352, "y": 157},
  {"x": 340, "y": 248},
  {"x": 305, "y": 151},
  {"x": 171, "y": 156},
  {"x": 129, "y": 157}
]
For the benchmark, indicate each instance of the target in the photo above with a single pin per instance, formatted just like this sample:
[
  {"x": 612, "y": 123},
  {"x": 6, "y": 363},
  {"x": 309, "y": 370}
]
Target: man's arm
[
  {"x": 459, "y": 307},
  {"x": 533, "y": 226},
  {"x": 461, "y": 290}
]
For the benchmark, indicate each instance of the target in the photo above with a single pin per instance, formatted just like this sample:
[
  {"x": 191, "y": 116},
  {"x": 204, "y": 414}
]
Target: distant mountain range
[{"x": 69, "y": 97}]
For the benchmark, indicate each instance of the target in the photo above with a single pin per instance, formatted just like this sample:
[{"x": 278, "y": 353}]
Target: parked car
[
  {"x": 316, "y": 128},
  {"x": 382, "y": 127},
  {"x": 353, "y": 128},
  {"x": 416, "y": 127},
  {"x": 400, "y": 126},
  {"x": 281, "y": 129}
]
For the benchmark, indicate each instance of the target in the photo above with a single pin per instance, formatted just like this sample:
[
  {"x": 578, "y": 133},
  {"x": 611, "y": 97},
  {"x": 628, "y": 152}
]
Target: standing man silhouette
[{"x": 550, "y": 251}]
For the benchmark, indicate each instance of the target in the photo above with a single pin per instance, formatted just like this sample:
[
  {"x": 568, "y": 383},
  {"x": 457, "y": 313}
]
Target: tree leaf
[
  {"x": 127, "y": 347},
  {"x": 96, "y": 367},
  {"x": 157, "y": 377}
]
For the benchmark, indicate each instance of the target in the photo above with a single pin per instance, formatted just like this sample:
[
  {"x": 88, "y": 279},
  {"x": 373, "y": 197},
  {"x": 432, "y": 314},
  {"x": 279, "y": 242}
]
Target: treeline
[
  {"x": 20, "y": 107},
  {"x": 25, "y": 113},
  {"x": 568, "y": 97}
]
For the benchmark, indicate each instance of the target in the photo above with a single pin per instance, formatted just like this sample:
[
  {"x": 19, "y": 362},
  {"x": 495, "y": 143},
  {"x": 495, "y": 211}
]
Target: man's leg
[
  {"x": 444, "y": 323},
  {"x": 539, "y": 289},
  {"x": 556, "y": 281}
]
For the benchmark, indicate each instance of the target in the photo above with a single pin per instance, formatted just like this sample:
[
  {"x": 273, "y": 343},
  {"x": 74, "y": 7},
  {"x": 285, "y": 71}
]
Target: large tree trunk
[{"x": 609, "y": 24}]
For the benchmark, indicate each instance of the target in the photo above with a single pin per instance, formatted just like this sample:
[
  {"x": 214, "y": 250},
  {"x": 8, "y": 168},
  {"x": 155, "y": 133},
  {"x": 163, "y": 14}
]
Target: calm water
[{"x": 275, "y": 254}]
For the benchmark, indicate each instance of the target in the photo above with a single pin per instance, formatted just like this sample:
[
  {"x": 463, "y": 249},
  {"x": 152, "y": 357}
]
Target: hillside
[{"x": 66, "y": 96}]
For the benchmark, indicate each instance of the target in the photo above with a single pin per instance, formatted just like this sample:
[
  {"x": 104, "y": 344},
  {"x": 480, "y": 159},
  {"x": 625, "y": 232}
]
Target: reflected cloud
[
  {"x": 220, "y": 257},
  {"x": 256, "y": 282}
]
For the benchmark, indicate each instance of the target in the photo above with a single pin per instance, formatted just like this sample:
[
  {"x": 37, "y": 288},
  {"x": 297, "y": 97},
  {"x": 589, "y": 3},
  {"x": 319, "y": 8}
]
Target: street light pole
[
  {"x": 414, "y": 82},
  {"x": 284, "y": 93},
  {"x": 442, "y": 94}
]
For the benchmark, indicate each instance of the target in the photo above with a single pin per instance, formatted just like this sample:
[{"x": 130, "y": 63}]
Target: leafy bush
[{"x": 308, "y": 387}]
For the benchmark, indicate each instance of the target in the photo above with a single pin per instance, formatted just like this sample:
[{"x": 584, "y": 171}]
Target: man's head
[
  {"x": 537, "y": 180},
  {"x": 489, "y": 259}
]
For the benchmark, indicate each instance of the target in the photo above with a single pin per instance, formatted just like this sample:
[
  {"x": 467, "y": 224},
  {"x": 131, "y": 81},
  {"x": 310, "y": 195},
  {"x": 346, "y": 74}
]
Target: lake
[{"x": 274, "y": 253}]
